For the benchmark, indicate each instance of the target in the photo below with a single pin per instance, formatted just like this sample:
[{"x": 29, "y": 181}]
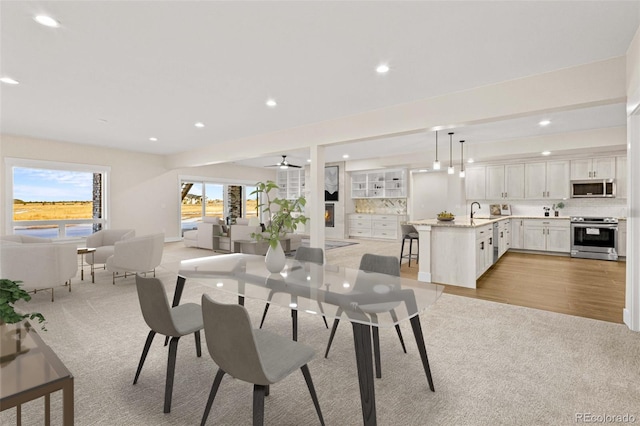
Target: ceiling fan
[{"x": 284, "y": 164}]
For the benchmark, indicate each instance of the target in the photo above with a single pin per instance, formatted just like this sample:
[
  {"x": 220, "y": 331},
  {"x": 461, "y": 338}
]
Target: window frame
[{"x": 11, "y": 163}]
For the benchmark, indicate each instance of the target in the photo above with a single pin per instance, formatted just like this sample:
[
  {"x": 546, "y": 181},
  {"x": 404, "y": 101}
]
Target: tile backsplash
[
  {"x": 614, "y": 207},
  {"x": 381, "y": 205}
]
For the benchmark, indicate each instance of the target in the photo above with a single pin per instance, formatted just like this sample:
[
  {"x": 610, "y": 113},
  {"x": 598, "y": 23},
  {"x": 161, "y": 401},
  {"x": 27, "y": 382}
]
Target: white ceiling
[{"x": 118, "y": 73}]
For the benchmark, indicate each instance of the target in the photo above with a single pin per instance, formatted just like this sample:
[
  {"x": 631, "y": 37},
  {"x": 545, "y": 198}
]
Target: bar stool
[{"x": 410, "y": 233}]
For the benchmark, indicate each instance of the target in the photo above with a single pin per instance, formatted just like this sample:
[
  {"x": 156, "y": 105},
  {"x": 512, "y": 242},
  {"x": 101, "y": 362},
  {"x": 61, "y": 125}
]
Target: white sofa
[
  {"x": 39, "y": 263},
  {"x": 207, "y": 235}
]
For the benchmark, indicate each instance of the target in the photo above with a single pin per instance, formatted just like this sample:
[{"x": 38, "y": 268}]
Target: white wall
[
  {"x": 632, "y": 303},
  {"x": 143, "y": 192},
  {"x": 434, "y": 192}
]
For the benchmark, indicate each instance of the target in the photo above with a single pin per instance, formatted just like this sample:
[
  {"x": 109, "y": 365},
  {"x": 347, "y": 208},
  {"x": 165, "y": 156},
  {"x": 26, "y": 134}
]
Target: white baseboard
[
  {"x": 172, "y": 239},
  {"x": 424, "y": 276}
]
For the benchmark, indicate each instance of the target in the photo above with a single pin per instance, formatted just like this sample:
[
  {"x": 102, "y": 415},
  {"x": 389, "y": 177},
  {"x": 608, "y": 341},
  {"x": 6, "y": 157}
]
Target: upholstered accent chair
[
  {"x": 136, "y": 255},
  {"x": 39, "y": 263},
  {"x": 250, "y": 355},
  {"x": 103, "y": 241},
  {"x": 173, "y": 322}
]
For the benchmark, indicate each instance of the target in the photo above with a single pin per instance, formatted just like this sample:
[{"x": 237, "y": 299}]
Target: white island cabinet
[{"x": 459, "y": 251}]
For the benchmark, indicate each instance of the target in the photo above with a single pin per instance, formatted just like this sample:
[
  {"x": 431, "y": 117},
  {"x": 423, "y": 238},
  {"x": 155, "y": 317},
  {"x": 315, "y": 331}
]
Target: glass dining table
[{"x": 362, "y": 298}]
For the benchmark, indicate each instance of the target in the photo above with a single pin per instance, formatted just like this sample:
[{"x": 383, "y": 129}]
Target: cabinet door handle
[
  {"x": 491, "y": 241},
  {"x": 595, "y": 174},
  {"x": 482, "y": 245},
  {"x": 501, "y": 235},
  {"x": 506, "y": 195}
]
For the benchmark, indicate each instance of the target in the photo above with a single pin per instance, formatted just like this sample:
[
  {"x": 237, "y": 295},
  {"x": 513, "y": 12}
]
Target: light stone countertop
[{"x": 466, "y": 222}]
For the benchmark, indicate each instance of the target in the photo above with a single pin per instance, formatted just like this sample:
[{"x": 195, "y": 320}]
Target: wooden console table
[{"x": 30, "y": 369}]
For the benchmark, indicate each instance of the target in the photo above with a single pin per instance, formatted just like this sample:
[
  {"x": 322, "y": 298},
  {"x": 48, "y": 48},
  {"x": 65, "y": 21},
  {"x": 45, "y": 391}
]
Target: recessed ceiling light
[
  {"x": 271, "y": 103},
  {"x": 470, "y": 160},
  {"x": 545, "y": 122},
  {"x": 308, "y": 160},
  {"x": 199, "y": 124},
  {"x": 8, "y": 80},
  {"x": 153, "y": 139},
  {"x": 382, "y": 69},
  {"x": 345, "y": 156},
  {"x": 546, "y": 152},
  {"x": 47, "y": 21},
  {"x": 423, "y": 170}
]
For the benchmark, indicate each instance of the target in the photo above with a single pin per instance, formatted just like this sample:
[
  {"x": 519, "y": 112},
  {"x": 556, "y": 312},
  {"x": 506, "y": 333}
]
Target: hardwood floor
[{"x": 582, "y": 287}]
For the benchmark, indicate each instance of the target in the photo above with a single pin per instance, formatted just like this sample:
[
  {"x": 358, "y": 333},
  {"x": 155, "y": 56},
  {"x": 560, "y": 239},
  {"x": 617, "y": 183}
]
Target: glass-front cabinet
[{"x": 379, "y": 184}]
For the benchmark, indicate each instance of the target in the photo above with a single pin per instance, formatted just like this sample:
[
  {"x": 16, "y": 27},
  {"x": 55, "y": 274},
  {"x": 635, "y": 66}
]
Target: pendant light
[
  {"x": 462, "y": 173},
  {"x": 450, "y": 170},
  {"x": 436, "y": 163}
]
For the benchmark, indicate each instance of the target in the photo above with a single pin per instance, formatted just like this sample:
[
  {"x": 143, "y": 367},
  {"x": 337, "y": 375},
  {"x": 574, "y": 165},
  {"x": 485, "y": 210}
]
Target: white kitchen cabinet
[
  {"x": 593, "y": 168},
  {"x": 547, "y": 180},
  {"x": 504, "y": 237},
  {"x": 547, "y": 235},
  {"x": 505, "y": 182},
  {"x": 622, "y": 238},
  {"x": 376, "y": 226},
  {"x": 621, "y": 177},
  {"x": 379, "y": 184},
  {"x": 484, "y": 249},
  {"x": 291, "y": 183},
  {"x": 517, "y": 233},
  {"x": 475, "y": 183}
]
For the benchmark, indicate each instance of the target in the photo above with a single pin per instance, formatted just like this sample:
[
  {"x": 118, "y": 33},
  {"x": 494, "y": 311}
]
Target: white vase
[{"x": 275, "y": 259}]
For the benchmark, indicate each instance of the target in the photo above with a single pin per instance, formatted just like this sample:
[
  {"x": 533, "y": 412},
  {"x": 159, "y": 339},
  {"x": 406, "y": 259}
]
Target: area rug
[{"x": 329, "y": 244}]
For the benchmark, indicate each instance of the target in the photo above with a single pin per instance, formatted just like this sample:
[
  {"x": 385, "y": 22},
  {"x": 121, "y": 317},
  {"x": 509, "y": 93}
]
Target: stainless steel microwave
[{"x": 593, "y": 188}]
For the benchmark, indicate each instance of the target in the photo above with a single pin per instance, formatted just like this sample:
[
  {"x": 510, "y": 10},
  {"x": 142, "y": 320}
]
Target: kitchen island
[
  {"x": 458, "y": 252},
  {"x": 455, "y": 252}
]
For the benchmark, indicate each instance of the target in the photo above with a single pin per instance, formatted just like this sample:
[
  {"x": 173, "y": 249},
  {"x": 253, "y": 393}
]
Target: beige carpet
[{"x": 492, "y": 363}]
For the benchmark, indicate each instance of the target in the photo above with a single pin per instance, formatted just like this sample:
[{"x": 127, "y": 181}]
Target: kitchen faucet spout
[{"x": 479, "y": 207}]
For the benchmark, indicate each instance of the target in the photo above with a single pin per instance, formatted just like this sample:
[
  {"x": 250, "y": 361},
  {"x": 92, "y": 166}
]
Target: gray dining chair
[
  {"x": 383, "y": 265},
  {"x": 251, "y": 355},
  {"x": 304, "y": 254},
  {"x": 172, "y": 322}
]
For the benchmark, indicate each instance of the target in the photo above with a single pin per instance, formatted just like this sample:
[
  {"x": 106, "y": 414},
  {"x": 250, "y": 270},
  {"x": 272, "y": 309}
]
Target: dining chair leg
[
  {"x": 212, "y": 395},
  {"x": 410, "y": 250},
  {"x": 171, "y": 369},
  {"x": 258, "y": 405},
  {"x": 402, "y": 251},
  {"x": 145, "y": 351},
  {"x": 312, "y": 391},
  {"x": 394, "y": 316},
  {"x": 362, "y": 344},
  {"x": 198, "y": 345},
  {"x": 376, "y": 351},
  {"x": 264, "y": 314},
  {"x": 417, "y": 332},
  {"x": 294, "y": 324},
  {"x": 331, "y": 336}
]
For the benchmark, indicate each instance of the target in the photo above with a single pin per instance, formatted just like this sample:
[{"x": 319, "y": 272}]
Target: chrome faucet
[{"x": 479, "y": 206}]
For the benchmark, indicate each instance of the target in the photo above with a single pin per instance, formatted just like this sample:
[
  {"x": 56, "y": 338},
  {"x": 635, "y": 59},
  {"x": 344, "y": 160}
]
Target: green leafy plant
[
  {"x": 283, "y": 219},
  {"x": 558, "y": 206},
  {"x": 10, "y": 293}
]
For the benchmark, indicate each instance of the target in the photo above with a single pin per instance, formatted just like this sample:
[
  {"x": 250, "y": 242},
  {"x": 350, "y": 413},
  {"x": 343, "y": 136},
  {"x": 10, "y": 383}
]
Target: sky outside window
[{"x": 31, "y": 185}]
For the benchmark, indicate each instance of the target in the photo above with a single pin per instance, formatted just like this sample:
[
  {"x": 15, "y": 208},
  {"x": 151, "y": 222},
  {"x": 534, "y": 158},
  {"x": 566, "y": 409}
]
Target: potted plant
[
  {"x": 285, "y": 216},
  {"x": 557, "y": 207},
  {"x": 10, "y": 293}
]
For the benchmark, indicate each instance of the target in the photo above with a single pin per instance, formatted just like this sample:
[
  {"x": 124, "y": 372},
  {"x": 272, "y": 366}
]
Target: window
[
  {"x": 199, "y": 198},
  {"x": 55, "y": 200}
]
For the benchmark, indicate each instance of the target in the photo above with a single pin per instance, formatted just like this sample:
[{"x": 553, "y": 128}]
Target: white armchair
[
  {"x": 205, "y": 235},
  {"x": 139, "y": 254},
  {"x": 103, "y": 241},
  {"x": 39, "y": 265}
]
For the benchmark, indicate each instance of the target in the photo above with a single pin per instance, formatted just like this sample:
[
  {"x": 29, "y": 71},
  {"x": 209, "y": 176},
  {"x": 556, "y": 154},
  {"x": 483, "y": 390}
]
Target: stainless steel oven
[{"x": 594, "y": 237}]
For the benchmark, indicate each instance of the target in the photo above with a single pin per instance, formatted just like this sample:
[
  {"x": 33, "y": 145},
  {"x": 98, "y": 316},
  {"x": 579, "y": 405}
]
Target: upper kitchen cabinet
[
  {"x": 290, "y": 183},
  {"x": 505, "y": 182},
  {"x": 593, "y": 168},
  {"x": 475, "y": 183},
  {"x": 621, "y": 177},
  {"x": 379, "y": 184},
  {"x": 548, "y": 179}
]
